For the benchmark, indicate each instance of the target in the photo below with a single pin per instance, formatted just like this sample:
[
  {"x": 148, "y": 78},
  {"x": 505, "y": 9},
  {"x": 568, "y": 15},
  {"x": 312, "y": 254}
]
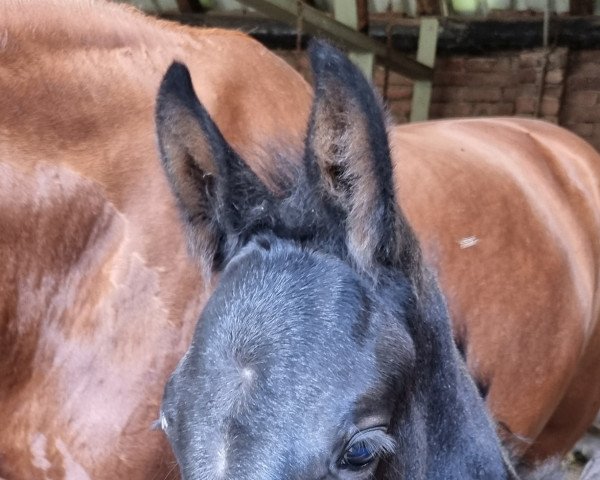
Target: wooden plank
[
  {"x": 459, "y": 35},
  {"x": 425, "y": 54},
  {"x": 317, "y": 23}
]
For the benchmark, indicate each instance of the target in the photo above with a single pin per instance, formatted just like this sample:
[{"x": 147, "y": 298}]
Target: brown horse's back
[
  {"x": 508, "y": 212},
  {"x": 97, "y": 295}
]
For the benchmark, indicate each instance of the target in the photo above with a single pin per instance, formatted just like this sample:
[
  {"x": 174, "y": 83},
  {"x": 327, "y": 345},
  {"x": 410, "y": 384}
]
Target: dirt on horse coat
[{"x": 99, "y": 298}]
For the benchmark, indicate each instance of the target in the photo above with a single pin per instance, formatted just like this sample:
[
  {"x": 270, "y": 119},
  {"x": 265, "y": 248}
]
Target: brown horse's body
[
  {"x": 508, "y": 212},
  {"x": 98, "y": 298}
]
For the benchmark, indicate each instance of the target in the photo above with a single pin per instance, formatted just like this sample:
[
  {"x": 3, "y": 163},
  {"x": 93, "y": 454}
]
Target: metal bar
[
  {"x": 316, "y": 23},
  {"x": 421, "y": 99}
]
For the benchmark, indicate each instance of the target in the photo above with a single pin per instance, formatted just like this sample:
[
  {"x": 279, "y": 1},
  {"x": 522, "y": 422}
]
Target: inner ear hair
[{"x": 348, "y": 156}]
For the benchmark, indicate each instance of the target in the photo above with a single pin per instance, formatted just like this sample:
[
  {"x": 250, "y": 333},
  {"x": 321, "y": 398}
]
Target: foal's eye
[
  {"x": 366, "y": 446},
  {"x": 358, "y": 455}
]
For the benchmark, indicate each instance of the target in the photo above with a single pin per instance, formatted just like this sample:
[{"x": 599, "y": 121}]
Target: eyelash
[{"x": 375, "y": 439}]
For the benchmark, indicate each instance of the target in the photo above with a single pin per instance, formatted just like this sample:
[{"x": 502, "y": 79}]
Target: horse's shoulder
[{"x": 82, "y": 311}]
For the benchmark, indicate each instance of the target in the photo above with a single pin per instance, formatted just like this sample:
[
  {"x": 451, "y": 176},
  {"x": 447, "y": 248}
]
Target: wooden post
[
  {"x": 349, "y": 13},
  {"x": 421, "y": 98}
]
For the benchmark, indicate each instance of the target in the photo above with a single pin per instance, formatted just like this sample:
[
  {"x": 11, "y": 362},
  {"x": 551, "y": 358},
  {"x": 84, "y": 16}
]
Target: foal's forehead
[
  {"x": 283, "y": 318},
  {"x": 285, "y": 282},
  {"x": 288, "y": 305}
]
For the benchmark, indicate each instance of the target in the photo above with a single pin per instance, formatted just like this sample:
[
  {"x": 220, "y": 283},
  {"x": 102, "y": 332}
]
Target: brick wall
[{"x": 560, "y": 86}]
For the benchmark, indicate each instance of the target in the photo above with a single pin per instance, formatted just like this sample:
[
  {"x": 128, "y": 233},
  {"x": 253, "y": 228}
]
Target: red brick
[
  {"x": 442, "y": 77},
  {"x": 487, "y": 65},
  {"x": 400, "y": 108},
  {"x": 507, "y": 63},
  {"x": 525, "y": 105},
  {"x": 555, "y": 77},
  {"x": 450, "y": 64},
  {"x": 582, "y": 129},
  {"x": 586, "y": 56},
  {"x": 582, "y": 98},
  {"x": 550, "y": 118},
  {"x": 398, "y": 116},
  {"x": 594, "y": 142},
  {"x": 447, "y": 110},
  {"x": 378, "y": 74},
  {"x": 558, "y": 58},
  {"x": 445, "y": 94},
  {"x": 482, "y": 94},
  {"x": 490, "y": 64},
  {"x": 585, "y": 69},
  {"x": 527, "y": 75},
  {"x": 397, "y": 92},
  {"x": 528, "y": 90},
  {"x": 550, "y": 106},
  {"x": 580, "y": 114},
  {"x": 506, "y": 108},
  {"x": 583, "y": 83},
  {"x": 509, "y": 93},
  {"x": 488, "y": 109},
  {"x": 400, "y": 119},
  {"x": 393, "y": 79},
  {"x": 397, "y": 79},
  {"x": 473, "y": 79},
  {"x": 531, "y": 58},
  {"x": 553, "y": 91}
]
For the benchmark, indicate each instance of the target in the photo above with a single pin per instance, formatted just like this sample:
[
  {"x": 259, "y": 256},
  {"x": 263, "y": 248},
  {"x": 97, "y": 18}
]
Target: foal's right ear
[{"x": 214, "y": 188}]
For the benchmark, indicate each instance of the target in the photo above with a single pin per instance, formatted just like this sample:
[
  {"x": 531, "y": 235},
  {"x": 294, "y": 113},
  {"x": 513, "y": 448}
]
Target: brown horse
[
  {"x": 99, "y": 299},
  {"x": 97, "y": 296},
  {"x": 508, "y": 212}
]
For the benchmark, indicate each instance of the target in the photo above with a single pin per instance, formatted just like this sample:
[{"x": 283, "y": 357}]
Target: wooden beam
[
  {"x": 459, "y": 35},
  {"x": 317, "y": 23}
]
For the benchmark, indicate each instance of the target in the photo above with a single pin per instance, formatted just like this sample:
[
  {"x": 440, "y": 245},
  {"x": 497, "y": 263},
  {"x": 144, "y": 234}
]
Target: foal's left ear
[
  {"x": 218, "y": 196},
  {"x": 348, "y": 158}
]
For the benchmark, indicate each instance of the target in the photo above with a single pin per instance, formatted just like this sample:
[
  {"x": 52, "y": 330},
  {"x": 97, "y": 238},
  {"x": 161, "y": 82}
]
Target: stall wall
[{"x": 558, "y": 85}]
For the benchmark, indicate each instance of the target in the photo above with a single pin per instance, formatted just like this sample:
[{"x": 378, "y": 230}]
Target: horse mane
[{"x": 58, "y": 26}]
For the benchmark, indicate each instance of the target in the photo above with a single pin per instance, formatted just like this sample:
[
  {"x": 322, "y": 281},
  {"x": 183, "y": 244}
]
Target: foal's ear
[
  {"x": 348, "y": 157},
  {"x": 216, "y": 192}
]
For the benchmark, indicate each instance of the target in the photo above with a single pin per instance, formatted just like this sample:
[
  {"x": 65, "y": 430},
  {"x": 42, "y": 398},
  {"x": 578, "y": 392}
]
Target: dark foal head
[{"x": 325, "y": 351}]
